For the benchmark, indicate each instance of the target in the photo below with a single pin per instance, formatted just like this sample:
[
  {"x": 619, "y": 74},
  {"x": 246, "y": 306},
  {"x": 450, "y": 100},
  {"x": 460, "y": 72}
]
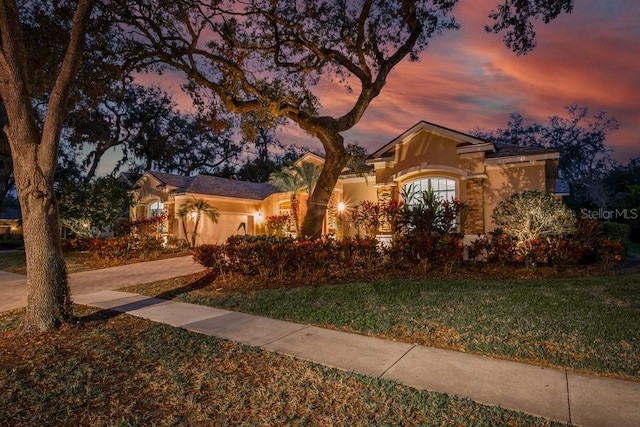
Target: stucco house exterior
[{"x": 451, "y": 163}]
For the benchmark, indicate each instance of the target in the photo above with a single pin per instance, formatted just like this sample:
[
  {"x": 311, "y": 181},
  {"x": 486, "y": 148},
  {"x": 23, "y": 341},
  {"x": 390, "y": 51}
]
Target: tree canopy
[
  {"x": 89, "y": 208},
  {"x": 263, "y": 58}
]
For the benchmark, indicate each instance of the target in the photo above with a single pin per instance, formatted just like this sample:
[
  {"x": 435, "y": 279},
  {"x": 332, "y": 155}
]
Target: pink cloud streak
[{"x": 467, "y": 79}]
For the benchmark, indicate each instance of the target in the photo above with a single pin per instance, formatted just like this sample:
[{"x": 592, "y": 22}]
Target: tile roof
[
  {"x": 508, "y": 150},
  {"x": 217, "y": 186},
  {"x": 170, "y": 179}
]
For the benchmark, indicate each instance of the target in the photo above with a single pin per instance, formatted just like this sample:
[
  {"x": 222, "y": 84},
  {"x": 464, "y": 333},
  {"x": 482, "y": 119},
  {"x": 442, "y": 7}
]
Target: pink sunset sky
[{"x": 468, "y": 79}]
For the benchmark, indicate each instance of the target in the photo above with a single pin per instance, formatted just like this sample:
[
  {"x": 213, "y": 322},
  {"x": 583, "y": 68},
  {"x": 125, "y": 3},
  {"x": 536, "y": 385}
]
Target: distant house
[
  {"x": 451, "y": 163},
  {"x": 10, "y": 221}
]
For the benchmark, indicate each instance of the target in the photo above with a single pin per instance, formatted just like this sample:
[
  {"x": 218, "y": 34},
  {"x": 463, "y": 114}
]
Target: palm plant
[
  {"x": 294, "y": 179},
  {"x": 199, "y": 207},
  {"x": 308, "y": 174},
  {"x": 183, "y": 214}
]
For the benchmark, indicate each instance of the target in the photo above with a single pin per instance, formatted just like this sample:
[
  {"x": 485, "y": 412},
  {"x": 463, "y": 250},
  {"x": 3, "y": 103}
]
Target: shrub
[
  {"x": 610, "y": 251},
  {"x": 268, "y": 256},
  {"x": 501, "y": 247},
  {"x": 449, "y": 251},
  {"x": 358, "y": 253},
  {"x": 277, "y": 225},
  {"x": 478, "y": 249},
  {"x": 617, "y": 231},
  {"x": 368, "y": 216},
  {"x": 213, "y": 257},
  {"x": 531, "y": 218},
  {"x": 431, "y": 215},
  {"x": 566, "y": 251}
]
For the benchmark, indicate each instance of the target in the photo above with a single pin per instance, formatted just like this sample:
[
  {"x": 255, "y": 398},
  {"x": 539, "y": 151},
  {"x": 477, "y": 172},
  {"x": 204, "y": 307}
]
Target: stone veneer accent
[
  {"x": 332, "y": 214},
  {"x": 141, "y": 211},
  {"x": 474, "y": 211},
  {"x": 171, "y": 218},
  {"x": 385, "y": 196}
]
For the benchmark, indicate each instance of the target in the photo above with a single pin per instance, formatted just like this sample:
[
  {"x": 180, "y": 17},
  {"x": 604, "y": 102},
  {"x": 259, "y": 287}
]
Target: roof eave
[{"x": 523, "y": 158}]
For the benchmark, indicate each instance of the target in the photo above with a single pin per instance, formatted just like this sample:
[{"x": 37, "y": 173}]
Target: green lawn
[
  {"x": 584, "y": 324},
  {"x": 118, "y": 370}
]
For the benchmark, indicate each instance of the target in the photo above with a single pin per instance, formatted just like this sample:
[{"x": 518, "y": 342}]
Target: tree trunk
[
  {"x": 335, "y": 160},
  {"x": 195, "y": 230},
  {"x": 295, "y": 212},
  {"x": 35, "y": 157},
  {"x": 48, "y": 295}
]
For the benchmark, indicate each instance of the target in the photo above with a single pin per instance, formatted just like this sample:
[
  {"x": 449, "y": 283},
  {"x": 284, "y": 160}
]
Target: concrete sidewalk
[
  {"x": 13, "y": 292},
  {"x": 550, "y": 393}
]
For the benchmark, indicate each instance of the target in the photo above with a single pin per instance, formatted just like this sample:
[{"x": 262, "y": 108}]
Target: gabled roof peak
[{"x": 461, "y": 137}]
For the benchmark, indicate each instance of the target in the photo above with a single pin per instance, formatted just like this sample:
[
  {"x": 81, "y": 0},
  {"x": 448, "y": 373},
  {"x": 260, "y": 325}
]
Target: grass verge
[
  {"x": 584, "y": 324},
  {"x": 111, "y": 369}
]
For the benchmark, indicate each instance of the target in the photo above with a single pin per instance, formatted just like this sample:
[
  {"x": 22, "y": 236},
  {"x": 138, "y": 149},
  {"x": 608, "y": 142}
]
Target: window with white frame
[
  {"x": 156, "y": 208},
  {"x": 444, "y": 188}
]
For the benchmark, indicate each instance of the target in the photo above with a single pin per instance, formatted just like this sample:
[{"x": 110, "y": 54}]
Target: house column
[
  {"x": 385, "y": 196},
  {"x": 473, "y": 214},
  {"x": 171, "y": 219},
  {"x": 331, "y": 216},
  {"x": 140, "y": 211}
]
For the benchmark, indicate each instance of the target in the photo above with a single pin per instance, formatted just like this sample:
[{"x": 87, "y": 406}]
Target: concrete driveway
[{"x": 13, "y": 292}]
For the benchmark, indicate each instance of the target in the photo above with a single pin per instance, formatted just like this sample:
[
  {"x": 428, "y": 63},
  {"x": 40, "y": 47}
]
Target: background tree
[
  {"x": 266, "y": 58},
  {"x": 621, "y": 179},
  {"x": 34, "y": 150},
  {"x": 623, "y": 187},
  {"x": 263, "y": 163},
  {"x": 308, "y": 174},
  {"x": 585, "y": 158},
  {"x": 88, "y": 209},
  {"x": 289, "y": 181},
  {"x": 144, "y": 125}
]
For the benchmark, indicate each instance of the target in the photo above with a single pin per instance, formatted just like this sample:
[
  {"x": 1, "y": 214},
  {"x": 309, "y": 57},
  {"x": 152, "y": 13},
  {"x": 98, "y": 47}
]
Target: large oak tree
[
  {"x": 34, "y": 149},
  {"x": 266, "y": 55}
]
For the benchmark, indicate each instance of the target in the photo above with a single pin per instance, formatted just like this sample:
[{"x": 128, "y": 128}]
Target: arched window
[
  {"x": 156, "y": 208},
  {"x": 444, "y": 188}
]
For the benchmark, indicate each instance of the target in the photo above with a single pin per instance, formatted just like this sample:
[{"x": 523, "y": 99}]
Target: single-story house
[{"x": 453, "y": 164}]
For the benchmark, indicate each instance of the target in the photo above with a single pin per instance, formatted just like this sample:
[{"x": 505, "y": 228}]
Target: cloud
[{"x": 468, "y": 79}]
